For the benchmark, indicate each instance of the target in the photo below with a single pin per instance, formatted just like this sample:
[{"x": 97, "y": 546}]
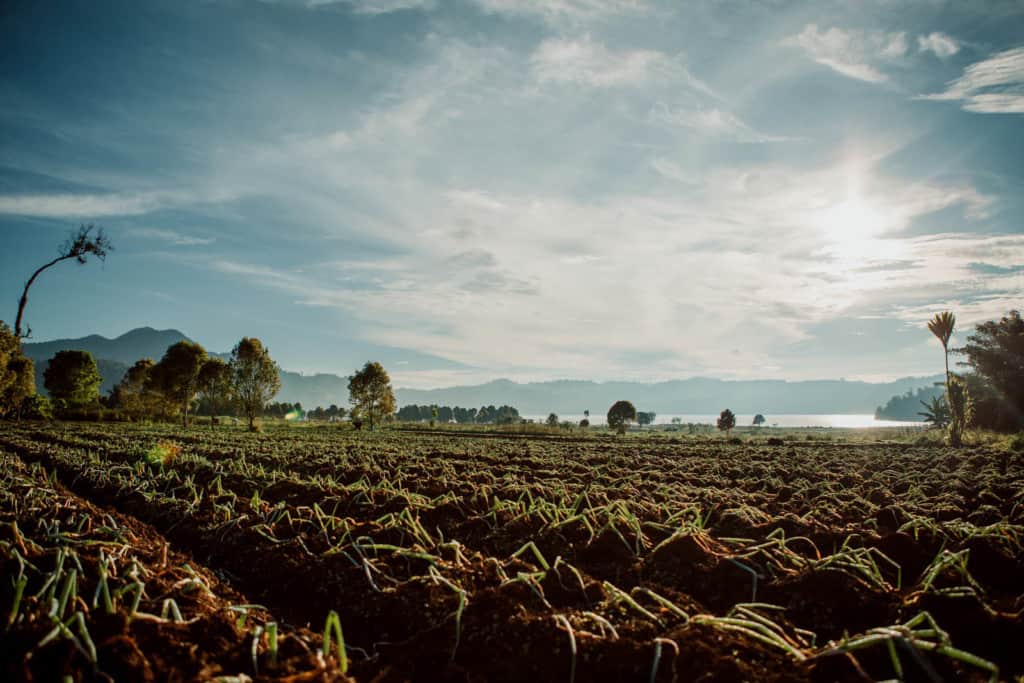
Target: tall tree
[
  {"x": 759, "y": 420},
  {"x": 215, "y": 385},
  {"x": 620, "y": 415},
  {"x": 370, "y": 393},
  {"x": 995, "y": 350},
  {"x": 79, "y": 246},
  {"x": 942, "y": 326},
  {"x": 135, "y": 396},
  {"x": 254, "y": 377},
  {"x": 71, "y": 377},
  {"x": 177, "y": 374}
]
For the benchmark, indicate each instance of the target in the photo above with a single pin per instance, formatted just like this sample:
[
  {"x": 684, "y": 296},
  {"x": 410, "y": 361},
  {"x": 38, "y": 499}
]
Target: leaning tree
[{"x": 78, "y": 246}]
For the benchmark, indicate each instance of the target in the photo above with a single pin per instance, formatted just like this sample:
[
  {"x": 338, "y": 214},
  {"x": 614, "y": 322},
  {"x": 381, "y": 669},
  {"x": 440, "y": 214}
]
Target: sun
[{"x": 852, "y": 222}]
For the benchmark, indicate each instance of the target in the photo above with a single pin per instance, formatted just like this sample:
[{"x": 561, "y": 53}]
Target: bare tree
[{"x": 79, "y": 245}]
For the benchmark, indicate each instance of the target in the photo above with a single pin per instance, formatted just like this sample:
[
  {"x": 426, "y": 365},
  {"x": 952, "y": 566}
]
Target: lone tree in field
[
  {"x": 620, "y": 415},
  {"x": 215, "y": 385},
  {"x": 72, "y": 377},
  {"x": 176, "y": 376},
  {"x": 370, "y": 393},
  {"x": 254, "y": 377},
  {"x": 552, "y": 420},
  {"x": 726, "y": 421},
  {"x": 645, "y": 418},
  {"x": 759, "y": 420},
  {"x": 78, "y": 246},
  {"x": 17, "y": 374}
]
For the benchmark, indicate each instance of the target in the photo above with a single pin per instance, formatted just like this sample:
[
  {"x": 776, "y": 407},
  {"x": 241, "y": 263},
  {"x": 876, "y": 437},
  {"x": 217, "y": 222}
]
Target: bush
[{"x": 36, "y": 407}]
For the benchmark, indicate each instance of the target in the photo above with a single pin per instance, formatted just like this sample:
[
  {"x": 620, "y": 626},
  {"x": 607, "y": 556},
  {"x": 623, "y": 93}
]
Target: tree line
[{"x": 446, "y": 414}]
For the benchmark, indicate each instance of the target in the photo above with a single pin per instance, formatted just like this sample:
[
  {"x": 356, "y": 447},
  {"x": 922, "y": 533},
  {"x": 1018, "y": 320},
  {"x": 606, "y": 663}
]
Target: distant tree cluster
[
  {"x": 188, "y": 381},
  {"x": 447, "y": 414},
  {"x": 908, "y": 405}
]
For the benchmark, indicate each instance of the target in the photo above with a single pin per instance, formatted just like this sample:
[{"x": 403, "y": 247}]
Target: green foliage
[
  {"x": 995, "y": 351},
  {"x": 135, "y": 395},
  {"x": 214, "y": 385},
  {"x": 645, "y": 418},
  {"x": 959, "y": 409},
  {"x": 176, "y": 376},
  {"x": 370, "y": 393},
  {"x": 620, "y": 415},
  {"x": 758, "y": 420},
  {"x": 17, "y": 374},
  {"x": 552, "y": 420},
  {"x": 936, "y": 412},
  {"x": 726, "y": 421},
  {"x": 36, "y": 407},
  {"x": 73, "y": 380},
  {"x": 254, "y": 377}
]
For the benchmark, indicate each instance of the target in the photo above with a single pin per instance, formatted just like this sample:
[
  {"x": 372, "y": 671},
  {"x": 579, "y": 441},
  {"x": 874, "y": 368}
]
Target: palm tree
[
  {"x": 942, "y": 327},
  {"x": 936, "y": 411}
]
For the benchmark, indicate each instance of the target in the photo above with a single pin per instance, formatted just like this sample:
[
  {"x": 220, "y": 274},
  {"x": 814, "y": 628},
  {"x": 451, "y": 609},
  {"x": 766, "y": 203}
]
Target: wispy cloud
[
  {"x": 852, "y": 53},
  {"x": 940, "y": 44},
  {"x": 79, "y": 205},
  {"x": 173, "y": 237},
  {"x": 563, "y": 10},
  {"x": 991, "y": 86},
  {"x": 712, "y": 121},
  {"x": 585, "y": 61}
]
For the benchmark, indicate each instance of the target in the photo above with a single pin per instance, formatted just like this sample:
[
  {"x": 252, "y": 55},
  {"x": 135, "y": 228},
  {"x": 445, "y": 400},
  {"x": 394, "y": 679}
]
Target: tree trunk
[{"x": 24, "y": 295}]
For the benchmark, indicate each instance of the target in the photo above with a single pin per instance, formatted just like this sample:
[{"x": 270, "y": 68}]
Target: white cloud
[
  {"x": 375, "y": 6},
  {"x": 585, "y": 61},
  {"x": 854, "y": 54},
  {"x": 172, "y": 237},
  {"x": 712, "y": 121},
  {"x": 991, "y": 86},
  {"x": 563, "y": 10},
  {"x": 78, "y": 205},
  {"x": 940, "y": 44}
]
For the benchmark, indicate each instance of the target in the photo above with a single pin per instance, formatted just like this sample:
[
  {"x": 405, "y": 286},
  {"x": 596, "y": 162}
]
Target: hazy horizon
[{"x": 468, "y": 190}]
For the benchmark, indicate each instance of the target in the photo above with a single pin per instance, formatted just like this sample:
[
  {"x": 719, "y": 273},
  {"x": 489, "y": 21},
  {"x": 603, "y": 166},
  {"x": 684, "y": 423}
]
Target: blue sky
[{"x": 533, "y": 189}]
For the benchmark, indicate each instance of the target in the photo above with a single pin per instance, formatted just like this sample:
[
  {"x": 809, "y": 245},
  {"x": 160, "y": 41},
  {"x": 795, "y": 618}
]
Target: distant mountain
[
  {"x": 115, "y": 356},
  {"x": 142, "y": 342},
  {"x": 696, "y": 396}
]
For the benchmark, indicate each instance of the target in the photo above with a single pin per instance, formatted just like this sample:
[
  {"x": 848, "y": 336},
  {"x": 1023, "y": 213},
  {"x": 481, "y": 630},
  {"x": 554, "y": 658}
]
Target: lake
[{"x": 848, "y": 421}]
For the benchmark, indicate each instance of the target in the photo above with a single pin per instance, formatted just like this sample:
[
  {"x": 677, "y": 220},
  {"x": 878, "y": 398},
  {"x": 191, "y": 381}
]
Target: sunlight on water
[{"x": 845, "y": 421}]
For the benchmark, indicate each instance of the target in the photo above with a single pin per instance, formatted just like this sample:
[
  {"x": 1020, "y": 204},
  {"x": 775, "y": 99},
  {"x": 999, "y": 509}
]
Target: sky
[{"x": 529, "y": 189}]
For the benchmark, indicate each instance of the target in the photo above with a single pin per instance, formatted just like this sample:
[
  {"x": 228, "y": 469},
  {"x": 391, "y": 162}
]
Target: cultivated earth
[{"x": 148, "y": 553}]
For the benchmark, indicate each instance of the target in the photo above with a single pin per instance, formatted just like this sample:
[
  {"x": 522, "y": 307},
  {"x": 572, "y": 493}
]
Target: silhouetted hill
[{"x": 142, "y": 342}]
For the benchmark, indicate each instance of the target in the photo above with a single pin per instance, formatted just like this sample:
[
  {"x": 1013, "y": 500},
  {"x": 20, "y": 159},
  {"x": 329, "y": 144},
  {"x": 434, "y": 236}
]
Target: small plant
[{"x": 162, "y": 454}]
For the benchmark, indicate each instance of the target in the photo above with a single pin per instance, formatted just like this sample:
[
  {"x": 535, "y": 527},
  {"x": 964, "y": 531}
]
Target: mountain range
[{"x": 697, "y": 395}]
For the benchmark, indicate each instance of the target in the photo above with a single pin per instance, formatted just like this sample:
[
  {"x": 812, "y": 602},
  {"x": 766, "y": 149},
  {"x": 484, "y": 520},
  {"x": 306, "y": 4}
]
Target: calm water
[{"x": 843, "y": 421}]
